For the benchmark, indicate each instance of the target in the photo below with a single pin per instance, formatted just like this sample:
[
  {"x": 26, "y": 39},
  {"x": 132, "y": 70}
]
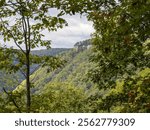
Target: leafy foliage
[
  {"x": 121, "y": 51},
  {"x": 59, "y": 97},
  {"x": 119, "y": 41}
]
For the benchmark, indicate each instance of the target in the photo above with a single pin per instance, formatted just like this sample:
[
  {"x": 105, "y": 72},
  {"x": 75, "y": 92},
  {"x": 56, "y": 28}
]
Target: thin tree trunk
[{"x": 28, "y": 83}]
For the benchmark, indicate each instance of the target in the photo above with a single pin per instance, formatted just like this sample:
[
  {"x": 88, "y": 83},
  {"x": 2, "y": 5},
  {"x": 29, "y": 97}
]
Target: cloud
[{"x": 78, "y": 29}]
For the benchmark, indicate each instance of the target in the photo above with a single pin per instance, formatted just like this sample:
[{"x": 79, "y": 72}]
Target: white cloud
[{"x": 78, "y": 29}]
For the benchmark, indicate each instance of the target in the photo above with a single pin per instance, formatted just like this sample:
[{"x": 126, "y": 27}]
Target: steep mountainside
[
  {"x": 74, "y": 72},
  {"x": 9, "y": 81}
]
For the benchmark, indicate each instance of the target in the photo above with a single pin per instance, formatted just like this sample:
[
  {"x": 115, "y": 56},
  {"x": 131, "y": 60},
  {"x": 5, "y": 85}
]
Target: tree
[
  {"x": 119, "y": 45},
  {"x": 59, "y": 97},
  {"x": 22, "y": 21}
]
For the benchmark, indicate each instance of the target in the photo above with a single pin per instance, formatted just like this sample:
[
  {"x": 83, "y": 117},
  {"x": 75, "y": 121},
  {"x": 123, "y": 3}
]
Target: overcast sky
[{"x": 78, "y": 29}]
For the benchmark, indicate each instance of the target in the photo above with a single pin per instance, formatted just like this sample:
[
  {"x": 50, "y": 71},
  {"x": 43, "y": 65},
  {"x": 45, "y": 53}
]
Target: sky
[{"x": 78, "y": 29}]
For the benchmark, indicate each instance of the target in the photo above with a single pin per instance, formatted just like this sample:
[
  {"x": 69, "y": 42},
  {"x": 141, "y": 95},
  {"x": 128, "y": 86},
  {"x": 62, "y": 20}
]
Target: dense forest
[{"x": 108, "y": 73}]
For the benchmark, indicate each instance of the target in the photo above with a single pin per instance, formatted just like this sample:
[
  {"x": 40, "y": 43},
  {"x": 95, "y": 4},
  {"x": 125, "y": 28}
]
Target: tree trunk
[{"x": 28, "y": 83}]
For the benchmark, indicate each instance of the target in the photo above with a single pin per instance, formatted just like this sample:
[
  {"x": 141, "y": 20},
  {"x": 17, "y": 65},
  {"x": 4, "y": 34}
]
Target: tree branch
[
  {"x": 24, "y": 26},
  {"x": 15, "y": 40}
]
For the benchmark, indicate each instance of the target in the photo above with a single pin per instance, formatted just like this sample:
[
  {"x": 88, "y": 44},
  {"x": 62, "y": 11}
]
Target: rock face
[{"x": 80, "y": 46}]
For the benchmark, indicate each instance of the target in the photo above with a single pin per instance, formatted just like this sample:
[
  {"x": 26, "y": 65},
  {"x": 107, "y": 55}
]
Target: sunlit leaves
[{"x": 59, "y": 97}]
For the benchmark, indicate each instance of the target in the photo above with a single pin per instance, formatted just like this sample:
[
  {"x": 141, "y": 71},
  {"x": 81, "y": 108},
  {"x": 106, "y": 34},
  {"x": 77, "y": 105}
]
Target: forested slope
[
  {"x": 73, "y": 72},
  {"x": 10, "y": 80}
]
